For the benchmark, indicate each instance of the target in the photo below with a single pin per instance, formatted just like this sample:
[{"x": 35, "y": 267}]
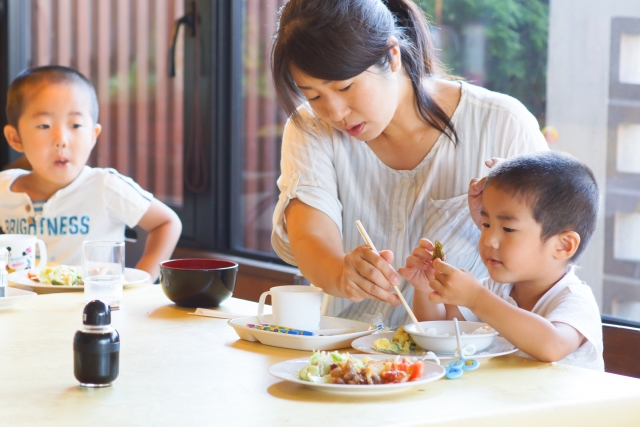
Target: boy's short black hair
[
  {"x": 49, "y": 74},
  {"x": 560, "y": 190}
]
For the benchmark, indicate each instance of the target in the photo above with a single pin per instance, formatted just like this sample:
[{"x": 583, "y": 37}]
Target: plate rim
[
  {"x": 358, "y": 388},
  {"x": 37, "y": 285},
  {"x": 302, "y": 337},
  {"x": 444, "y": 356}
]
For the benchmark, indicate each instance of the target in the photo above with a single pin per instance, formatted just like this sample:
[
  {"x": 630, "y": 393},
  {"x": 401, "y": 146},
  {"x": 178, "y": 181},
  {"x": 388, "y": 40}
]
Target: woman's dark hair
[
  {"x": 561, "y": 192},
  {"x": 340, "y": 39}
]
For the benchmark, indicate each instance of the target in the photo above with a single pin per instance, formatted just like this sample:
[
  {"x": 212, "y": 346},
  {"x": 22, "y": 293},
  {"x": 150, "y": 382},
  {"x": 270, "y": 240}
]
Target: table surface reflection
[{"x": 181, "y": 369}]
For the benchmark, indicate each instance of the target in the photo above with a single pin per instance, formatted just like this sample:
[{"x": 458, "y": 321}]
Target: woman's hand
[
  {"x": 418, "y": 269},
  {"x": 453, "y": 286},
  {"x": 368, "y": 275},
  {"x": 476, "y": 187}
]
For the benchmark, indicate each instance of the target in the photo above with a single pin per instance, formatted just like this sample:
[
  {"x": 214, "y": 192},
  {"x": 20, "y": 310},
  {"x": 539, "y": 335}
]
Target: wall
[{"x": 577, "y": 95}]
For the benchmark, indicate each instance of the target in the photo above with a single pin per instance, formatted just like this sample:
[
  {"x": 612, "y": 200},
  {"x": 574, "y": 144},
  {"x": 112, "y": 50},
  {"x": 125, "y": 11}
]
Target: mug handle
[
  {"x": 43, "y": 253},
  {"x": 261, "y": 301}
]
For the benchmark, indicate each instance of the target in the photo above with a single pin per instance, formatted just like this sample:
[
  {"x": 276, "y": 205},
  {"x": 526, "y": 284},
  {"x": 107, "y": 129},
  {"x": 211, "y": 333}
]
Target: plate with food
[
  {"x": 344, "y": 373},
  {"x": 63, "y": 278},
  {"x": 401, "y": 343},
  {"x": 13, "y": 297}
]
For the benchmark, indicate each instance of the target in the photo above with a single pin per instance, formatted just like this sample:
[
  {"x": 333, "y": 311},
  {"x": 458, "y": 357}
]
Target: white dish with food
[
  {"x": 355, "y": 329},
  {"x": 499, "y": 347},
  {"x": 21, "y": 279},
  {"x": 13, "y": 297},
  {"x": 289, "y": 371},
  {"x": 440, "y": 336}
]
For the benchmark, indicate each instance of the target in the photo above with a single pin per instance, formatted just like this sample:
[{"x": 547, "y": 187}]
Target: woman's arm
[
  {"x": 164, "y": 228},
  {"x": 316, "y": 245}
]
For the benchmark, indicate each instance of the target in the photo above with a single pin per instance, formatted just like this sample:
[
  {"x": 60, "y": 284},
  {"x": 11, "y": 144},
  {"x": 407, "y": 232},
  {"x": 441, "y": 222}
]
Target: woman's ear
[
  {"x": 567, "y": 243},
  {"x": 396, "y": 58},
  {"x": 13, "y": 138}
]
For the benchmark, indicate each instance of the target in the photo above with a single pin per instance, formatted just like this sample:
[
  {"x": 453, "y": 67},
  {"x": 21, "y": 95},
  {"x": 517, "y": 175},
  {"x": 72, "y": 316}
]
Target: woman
[{"x": 383, "y": 138}]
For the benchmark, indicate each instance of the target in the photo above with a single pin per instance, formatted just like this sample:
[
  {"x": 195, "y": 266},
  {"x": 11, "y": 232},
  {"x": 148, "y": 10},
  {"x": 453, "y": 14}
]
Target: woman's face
[{"x": 362, "y": 106}]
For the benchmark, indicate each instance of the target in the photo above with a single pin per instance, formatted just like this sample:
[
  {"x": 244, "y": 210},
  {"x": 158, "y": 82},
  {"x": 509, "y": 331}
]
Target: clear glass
[
  {"x": 4, "y": 274},
  {"x": 103, "y": 271}
]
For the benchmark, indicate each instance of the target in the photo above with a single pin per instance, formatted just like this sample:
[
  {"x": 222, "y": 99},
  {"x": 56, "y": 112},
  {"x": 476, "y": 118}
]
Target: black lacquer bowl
[{"x": 198, "y": 282}]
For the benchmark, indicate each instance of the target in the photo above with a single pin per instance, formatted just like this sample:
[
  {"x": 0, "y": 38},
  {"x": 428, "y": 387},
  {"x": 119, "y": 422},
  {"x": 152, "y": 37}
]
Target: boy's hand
[
  {"x": 418, "y": 269},
  {"x": 453, "y": 286}
]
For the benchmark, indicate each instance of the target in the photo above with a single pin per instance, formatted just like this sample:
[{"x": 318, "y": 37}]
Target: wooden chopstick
[{"x": 368, "y": 241}]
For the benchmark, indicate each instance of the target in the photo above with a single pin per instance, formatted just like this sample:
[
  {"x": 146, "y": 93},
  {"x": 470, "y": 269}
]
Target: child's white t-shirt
[
  {"x": 569, "y": 301},
  {"x": 95, "y": 206}
]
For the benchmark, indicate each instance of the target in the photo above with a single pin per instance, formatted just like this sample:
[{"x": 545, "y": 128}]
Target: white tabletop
[{"x": 178, "y": 369}]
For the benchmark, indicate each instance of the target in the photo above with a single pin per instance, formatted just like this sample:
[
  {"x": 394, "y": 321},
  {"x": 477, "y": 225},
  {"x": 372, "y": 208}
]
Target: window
[
  {"x": 122, "y": 48},
  {"x": 208, "y": 141}
]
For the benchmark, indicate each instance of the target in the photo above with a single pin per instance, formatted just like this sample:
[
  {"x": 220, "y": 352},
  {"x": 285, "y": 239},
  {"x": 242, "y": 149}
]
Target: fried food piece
[{"x": 438, "y": 252}]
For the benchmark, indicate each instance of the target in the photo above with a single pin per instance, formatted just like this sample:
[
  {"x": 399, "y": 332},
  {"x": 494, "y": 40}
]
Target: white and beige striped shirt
[{"x": 340, "y": 176}]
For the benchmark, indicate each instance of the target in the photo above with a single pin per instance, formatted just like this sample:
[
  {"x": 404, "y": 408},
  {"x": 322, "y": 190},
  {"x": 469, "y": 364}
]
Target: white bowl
[{"x": 443, "y": 343}]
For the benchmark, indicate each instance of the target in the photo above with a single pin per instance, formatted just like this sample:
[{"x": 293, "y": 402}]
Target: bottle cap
[{"x": 96, "y": 313}]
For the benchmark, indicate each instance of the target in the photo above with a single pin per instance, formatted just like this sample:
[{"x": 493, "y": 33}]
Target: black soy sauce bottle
[{"x": 96, "y": 347}]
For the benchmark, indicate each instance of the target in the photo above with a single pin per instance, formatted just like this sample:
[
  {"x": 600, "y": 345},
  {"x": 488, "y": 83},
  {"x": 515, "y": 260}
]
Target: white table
[{"x": 178, "y": 369}]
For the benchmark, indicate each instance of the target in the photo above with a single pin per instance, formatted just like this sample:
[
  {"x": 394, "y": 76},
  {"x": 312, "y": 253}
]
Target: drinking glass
[{"x": 103, "y": 275}]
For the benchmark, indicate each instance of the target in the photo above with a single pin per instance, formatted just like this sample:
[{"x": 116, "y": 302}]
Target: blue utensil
[{"x": 461, "y": 363}]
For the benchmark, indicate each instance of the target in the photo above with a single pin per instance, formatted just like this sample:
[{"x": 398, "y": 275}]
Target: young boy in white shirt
[
  {"x": 538, "y": 214},
  {"x": 52, "y": 113}
]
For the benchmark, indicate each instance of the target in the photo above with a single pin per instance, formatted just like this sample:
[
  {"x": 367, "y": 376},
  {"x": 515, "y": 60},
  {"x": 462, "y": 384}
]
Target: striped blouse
[{"x": 339, "y": 175}]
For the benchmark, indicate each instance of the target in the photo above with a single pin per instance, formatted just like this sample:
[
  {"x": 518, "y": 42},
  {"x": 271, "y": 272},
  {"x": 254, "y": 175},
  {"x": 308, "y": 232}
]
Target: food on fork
[
  {"x": 345, "y": 369},
  {"x": 437, "y": 251},
  {"x": 400, "y": 343},
  {"x": 59, "y": 275}
]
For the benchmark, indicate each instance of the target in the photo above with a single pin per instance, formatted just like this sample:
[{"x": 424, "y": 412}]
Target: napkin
[{"x": 218, "y": 314}]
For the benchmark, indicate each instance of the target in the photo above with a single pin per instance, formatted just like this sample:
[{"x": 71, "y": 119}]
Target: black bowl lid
[{"x": 96, "y": 313}]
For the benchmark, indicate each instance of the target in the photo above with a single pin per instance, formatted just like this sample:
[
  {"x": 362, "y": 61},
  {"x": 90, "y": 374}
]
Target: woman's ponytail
[{"x": 419, "y": 60}]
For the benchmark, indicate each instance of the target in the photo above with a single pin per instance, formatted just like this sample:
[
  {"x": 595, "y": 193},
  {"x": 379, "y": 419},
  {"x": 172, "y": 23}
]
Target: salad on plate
[
  {"x": 59, "y": 275},
  {"x": 336, "y": 368}
]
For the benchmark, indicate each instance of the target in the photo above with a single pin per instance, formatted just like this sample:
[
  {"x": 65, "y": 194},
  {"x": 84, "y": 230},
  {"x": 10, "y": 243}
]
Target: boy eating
[
  {"x": 538, "y": 214},
  {"x": 52, "y": 113}
]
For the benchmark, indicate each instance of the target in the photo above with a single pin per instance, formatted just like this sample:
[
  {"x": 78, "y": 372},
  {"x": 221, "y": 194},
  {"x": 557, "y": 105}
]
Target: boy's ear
[
  {"x": 567, "y": 244},
  {"x": 97, "y": 128},
  {"x": 13, "y": 138}
]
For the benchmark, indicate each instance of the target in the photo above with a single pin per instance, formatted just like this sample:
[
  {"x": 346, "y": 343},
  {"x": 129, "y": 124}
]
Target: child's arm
[
  {"x": 164, "y": 228},
  {"x": 418, "y": 270},
  {"x": 533, "y": 334}
]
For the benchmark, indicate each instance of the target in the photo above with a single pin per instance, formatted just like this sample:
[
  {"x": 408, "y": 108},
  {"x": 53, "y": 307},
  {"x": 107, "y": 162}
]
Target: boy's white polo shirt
[
  {"x": 569, "y": 301},
  {"x": 95, "y": 206}
]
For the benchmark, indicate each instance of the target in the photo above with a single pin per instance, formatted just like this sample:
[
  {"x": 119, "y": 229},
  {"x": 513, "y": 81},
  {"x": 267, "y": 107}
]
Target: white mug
[
  {"x": 22, "y": 251},
  {"x": 295, "y": 306}
]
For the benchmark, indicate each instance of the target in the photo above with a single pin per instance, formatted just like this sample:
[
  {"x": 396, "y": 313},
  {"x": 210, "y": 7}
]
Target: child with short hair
[
  {"x": 538, "y": 214},
  {"x": 52, "y": 113}
]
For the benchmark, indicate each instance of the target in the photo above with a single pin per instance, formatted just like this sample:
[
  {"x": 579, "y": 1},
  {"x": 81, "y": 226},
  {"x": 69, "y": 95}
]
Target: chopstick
[{"x": 368, "y": 241}]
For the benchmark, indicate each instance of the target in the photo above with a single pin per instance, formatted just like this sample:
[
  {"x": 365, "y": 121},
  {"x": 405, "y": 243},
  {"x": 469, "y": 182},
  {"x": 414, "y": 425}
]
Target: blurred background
[{"x": 207, "y": 139}]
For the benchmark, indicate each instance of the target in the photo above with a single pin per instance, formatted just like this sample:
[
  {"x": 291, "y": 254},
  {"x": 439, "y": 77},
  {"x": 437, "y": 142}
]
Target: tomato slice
[{"x": 416, "y": 370}]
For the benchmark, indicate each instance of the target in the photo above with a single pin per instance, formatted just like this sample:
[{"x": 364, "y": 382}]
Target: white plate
[
  {"x": 299, "y": 342},
  {"x": 289, "y": 369},
  {"x": 499, "y": 347},
  {"x": 13, "y": 297},
  {"x": 20, "y": 279}
]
